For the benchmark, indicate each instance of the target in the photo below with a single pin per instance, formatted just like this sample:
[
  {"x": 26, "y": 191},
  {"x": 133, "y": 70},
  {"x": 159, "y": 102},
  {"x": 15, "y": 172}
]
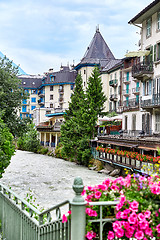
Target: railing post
[{"x": 78, "y": 216}]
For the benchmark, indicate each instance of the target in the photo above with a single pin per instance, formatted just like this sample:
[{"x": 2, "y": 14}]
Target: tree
[
  {"x": 6, "y": 147},
  {"x": 29, "y": 140},
  {"x": 81, "y": 118},
  {"x": 74, "y": 137},
  {"x": 11, "y": 95},
  {"x": 95, "y": 98}
]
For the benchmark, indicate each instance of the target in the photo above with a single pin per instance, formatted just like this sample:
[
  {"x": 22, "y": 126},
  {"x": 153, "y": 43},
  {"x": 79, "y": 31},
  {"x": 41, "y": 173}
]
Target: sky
[{"x": 43, "y": 34}]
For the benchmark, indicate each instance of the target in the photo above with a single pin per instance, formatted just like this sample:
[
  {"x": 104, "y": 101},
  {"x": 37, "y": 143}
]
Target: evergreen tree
[
  {"x": 11, "y": 95},
  {"x": 73, "y": 132},
  {"x": 95, "y": 98}
]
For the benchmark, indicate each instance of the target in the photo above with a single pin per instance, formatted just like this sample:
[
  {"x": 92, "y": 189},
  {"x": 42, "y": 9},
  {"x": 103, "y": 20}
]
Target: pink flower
[
  {"x": 141, "y": 217},
  {"x": 64, "y": 218},
  {"x": 83, "y": 192},
  {"x": 110, "y": 235},
  {"x": 97, "y": 194},
  {"x": 119, "y": 233},
  {"x": 139, "y": 235},
  {"x": 69, "y": 212},
  {"x": 147, "y": 214},
  {"x": 91, "y": 212},
  {"x": 134, "y": 205},
  {"x": 148, "y": 232},
  {"x": 90, "y": 235},
  {"x": 107, "y": 182},
  {"x": 103, "y": 187},
  {"x": 143, "y": 225},
  {"x": 158, "y": 228},
  {"x": 132, "y": 219}
]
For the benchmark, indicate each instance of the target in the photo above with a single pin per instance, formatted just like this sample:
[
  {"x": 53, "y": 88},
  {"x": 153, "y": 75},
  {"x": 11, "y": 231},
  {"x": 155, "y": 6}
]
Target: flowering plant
[
  {"x": 137, "y": 212},
  {"x": 133, "y": 155}
]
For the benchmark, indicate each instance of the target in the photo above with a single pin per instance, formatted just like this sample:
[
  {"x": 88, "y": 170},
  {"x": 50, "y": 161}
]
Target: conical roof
[{"x": 98, "y": 51}]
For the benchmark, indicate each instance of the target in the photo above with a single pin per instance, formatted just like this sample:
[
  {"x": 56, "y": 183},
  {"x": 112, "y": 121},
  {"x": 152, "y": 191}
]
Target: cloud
[{"x": 40, "y": 33}]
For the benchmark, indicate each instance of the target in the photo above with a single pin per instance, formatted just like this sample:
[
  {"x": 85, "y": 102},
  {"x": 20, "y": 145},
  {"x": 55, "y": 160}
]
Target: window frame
[{"x": 148, "y": 27}]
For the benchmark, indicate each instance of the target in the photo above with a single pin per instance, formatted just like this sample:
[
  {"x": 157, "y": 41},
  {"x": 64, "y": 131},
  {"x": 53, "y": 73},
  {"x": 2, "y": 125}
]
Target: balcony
[
  {"x": 153, "y": 101},
  {"x": 130, "y": 104},
  {"x": 41, "y": 102},
  {"x": 61, "y": 99},
  {"x": 126, "y": 92},
  {"x": 136, "y": 90},
  {"x": 113, "y": 97},
  {"x": 113, "y": 83},
  {"x": 126, "y": 80},
  {"x": 142, "y": 70},
  {"x": 61, "y": 91},
  {"x": 41, "y": 93}
]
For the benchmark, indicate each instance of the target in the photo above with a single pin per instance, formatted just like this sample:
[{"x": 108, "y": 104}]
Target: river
[{"x": 49, "y": 179}]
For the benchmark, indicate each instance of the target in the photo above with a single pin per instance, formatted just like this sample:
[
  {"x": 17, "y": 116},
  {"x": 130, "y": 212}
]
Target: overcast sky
[{"x": 42, "y": 34}]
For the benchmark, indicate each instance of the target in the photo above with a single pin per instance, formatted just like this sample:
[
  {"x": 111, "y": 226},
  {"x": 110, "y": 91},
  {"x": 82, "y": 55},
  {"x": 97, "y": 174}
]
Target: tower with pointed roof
[{"x": 97, "y": 54}]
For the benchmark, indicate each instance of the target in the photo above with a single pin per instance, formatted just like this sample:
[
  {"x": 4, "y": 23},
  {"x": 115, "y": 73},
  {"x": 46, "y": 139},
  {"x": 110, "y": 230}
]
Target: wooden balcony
[{"x": 142, "y": 70}]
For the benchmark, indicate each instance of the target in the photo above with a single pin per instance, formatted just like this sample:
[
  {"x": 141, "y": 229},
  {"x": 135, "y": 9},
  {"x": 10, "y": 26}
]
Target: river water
[{"x": 50, "y": 179}]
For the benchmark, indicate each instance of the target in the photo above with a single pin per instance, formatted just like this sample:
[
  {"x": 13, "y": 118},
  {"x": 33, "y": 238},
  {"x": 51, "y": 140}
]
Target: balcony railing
[
  {"x": 113, "y": 97},
  {"x": 126, "y": 92},
  {"x": 141, "y": 69},
  {"x": 154, "y": 101},
  {"x": 126, "y": 80},
  {"x": 136, "y": 90},
  {"x": 41, "y": 93},
  {"x": 113, "y": 82},
  {"x": 132, "y": 103},
  {"x": 41, "y": 101}
]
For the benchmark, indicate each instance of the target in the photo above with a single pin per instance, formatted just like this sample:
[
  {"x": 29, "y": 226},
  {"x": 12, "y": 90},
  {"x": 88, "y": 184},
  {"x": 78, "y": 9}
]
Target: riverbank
[{"x": 49, "y": 179}]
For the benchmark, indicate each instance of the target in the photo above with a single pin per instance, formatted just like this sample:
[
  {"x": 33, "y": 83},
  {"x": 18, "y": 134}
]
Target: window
[
  {"x": 148, "y": 28},
  {"x": 33, "y": 99},
  {"x": 125, "y": 122},
  {"x": 84, "y": 71},
  {"x": 72, "y": 87},
  {"x": 84, "y": 84},
  {"x": 52, "y": 78},
  {"x": 61, "y": 87},
  {"x": 115, "y": 76},
  {"x": 51, "y": 88},
  {"x": 33, "y": 107},
  {"x": 48, "y": 112},
  {"x": 111, "y": 77},
  {"x": 134, "y": 122},
  {"x": 158, "y": 51},
  {"x": 51, "y": 97},
  {"x": 51, "y": 105},
  {"x": 33, "y": 91},
  {"x": 127, "y": 76},
  {"x": 157, "y": 122},
  {"x": 24, "y": 108},
  {"x": 158, "y": 20}
]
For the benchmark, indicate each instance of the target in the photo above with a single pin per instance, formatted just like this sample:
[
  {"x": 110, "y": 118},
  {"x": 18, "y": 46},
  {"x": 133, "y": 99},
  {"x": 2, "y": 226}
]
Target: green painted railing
[
  {"x": 20, "y": 224},
  {"x": 21, "y": 221},
  {"x": 102, "y": 220}
]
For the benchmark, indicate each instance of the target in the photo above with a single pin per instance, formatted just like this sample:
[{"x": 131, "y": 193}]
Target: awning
[
  {"x": 138, "y": 53},
  {"x": 147, "y": 148},
  {"x": 117, "y": 143}
]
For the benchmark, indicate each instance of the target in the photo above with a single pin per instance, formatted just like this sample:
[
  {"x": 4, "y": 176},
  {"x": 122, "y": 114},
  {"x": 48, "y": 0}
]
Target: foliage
[
  {"x": 11, "y": 95},
  {"x": 74, "y": 132},
  {"x": 95, "y": 99},
  {"x": 137, "y": 211},
  {"x": 29, "y": 141},
  {"x": 42, "y": 150},
  {"x": 6, "y": 147},
  {"x": 81, "y": 118}
]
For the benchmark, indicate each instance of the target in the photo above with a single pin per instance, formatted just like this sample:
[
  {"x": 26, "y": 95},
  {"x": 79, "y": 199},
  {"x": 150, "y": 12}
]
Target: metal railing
[
  {"x": 22, "y": 221},
  {"x": 132, "y": 103},
  {"x": 151, "y": 102},
  {"x": 102, "y": 220},
  {"x": 142, "y": 68}
]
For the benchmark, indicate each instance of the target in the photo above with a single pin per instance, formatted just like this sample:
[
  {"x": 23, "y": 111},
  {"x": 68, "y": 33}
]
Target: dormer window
[
  {"x": 52, "y": 78},
  {"x": 24, "y": 83},
  {"x": 148, "y": 27}
]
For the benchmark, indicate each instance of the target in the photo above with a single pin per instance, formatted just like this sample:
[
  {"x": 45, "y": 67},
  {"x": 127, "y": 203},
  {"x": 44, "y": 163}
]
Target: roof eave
[{"x": 145, "y": 13}]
